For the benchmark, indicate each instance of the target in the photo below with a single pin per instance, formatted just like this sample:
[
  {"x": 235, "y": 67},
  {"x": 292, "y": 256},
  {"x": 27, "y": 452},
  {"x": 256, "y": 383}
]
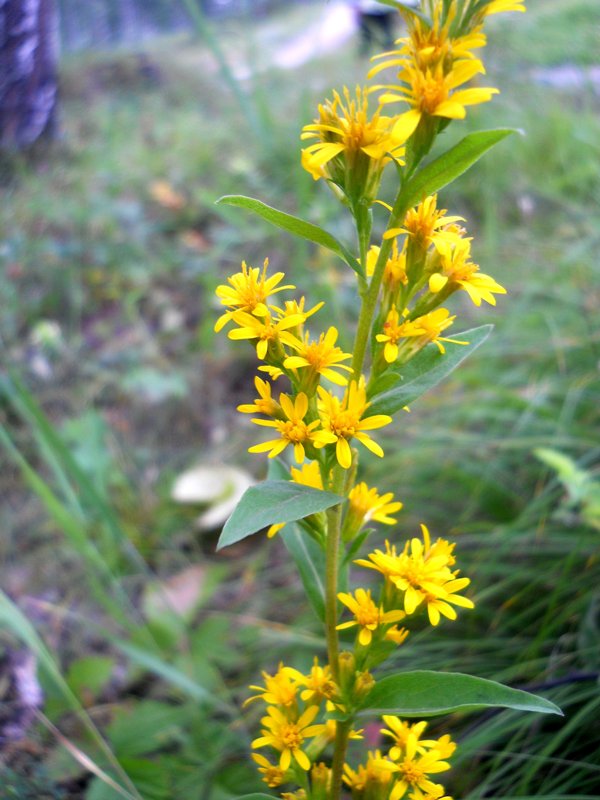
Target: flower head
[
  {"x": 318, "y": 683},
  {"x": 413, "y": 335},
  {"x": 371, "y": 779},
  {"x": 433, "y": 92},
  {"x": 402, "y": 732},
  {"x": 248, "y": 291},
  {"x": 459, "y": 272},
  {"x": 288, "y": 735},
  {"x": 414, "y": 768},
  {"x": 366, "y": 505},
  {"x": 344, "y": 420},
  {"x": 267, "y": 331},
  {"x": 273, "y": 776},
  {"x": 394, "y": 273},
  {"x": 424, "y": 223},
  {"x": 353, "y": 147},
  {"x": 321, "y": 357},
  {"x": 279, "y": 689},
  {"x": 264, "y": 403},
  {"x": 367, "y": 615},
  {"x": 421, "y": 572},
  {"x": 292, "y": 429}
]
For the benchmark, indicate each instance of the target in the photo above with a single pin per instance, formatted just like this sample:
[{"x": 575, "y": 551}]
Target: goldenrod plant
[{"x": 322, "y": 406}]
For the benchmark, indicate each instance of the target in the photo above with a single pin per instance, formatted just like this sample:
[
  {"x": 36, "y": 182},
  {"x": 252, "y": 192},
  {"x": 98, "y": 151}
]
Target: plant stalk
[
  {"x": 332, "y": 559},
  {"x": 369, "y": 303}
]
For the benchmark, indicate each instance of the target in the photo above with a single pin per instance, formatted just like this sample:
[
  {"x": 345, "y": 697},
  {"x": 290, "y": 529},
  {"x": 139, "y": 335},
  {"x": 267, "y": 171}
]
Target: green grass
[{"x": 134, "y": 388}]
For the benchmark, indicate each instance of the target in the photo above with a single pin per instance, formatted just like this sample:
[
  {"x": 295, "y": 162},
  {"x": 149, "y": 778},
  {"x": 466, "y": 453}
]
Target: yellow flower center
[
  {"x": 294, "y": 431},
  {"x": 411, "y": 770},
  {"x": 367, "y": 614},
  {"x": 345, "y": 424},
  {"x": 413, "y": 573},
  {"x": 291, "y": 736},
  {"x": 431, "y": 92}
]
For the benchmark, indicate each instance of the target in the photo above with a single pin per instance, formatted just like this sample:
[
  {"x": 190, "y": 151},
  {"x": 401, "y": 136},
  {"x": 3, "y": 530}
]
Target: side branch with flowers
[{"x": 322, "y": 405}]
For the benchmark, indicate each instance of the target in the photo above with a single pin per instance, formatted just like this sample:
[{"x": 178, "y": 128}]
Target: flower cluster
[
  {"x": 293, "y": 702},
  {"x": 330, "y": 399},
  {"x": 312, "y": 417},
  {"x": 406, "y": 768}
]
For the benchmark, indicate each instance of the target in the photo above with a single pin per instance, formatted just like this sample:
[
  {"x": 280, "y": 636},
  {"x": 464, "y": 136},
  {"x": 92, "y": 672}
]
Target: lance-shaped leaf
[
  {"x": 444, "y": 169},
  {"x": 256, "y": 796},
  {"x": 310, "y": 561},
  {"x": 295, "y": 225},
  {"x": 270, "y": 502},
  {"x": 424, "y": 371},
  {"x": 428, "y": 694}
]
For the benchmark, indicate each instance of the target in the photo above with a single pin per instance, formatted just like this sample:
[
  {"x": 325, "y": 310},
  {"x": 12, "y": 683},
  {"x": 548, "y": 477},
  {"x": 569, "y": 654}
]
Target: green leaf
[
  {"x": 426, "y": 370},
  {"x": 271, "y": 502},
  {"x": 310, "y": 561},
  {"x": 451, "y": 164},
  {"x": 429, "y": 694},
  {"x": 295, "y": 225},
  {"x": 256, "y": 796}
]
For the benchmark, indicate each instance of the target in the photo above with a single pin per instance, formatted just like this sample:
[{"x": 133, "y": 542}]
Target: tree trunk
[{"x": 28, "y": 80}]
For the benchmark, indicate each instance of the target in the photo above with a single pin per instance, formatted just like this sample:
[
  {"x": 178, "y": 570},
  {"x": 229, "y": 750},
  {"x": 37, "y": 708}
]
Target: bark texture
[{"x": 28, "y": 79}]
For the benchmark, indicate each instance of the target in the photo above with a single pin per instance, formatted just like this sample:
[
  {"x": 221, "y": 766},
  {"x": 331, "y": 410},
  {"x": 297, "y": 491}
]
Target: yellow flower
[
  {"x": 414, "y": 769},
  {"x": 278, "y": 690},
  {"x": 344, "y": 420},
  {"x": 420, "y": 331},
  {"x": 273, "y": 776},
  {"x": 273, "y": 372},
  {"x": 365, "y": 505},
  {"x": 433, "y": 92},
  {"x": 394, "y": 274},
  {"x": 264, "y": 404},
  {"x": 248, "y": 291},
  {"x": 396, "y": 635},
  {"x": 436, "y": 794},
  {"x": 422, "y": 572},
  {"x": 319, "y": 683},
  {"x": 367, "y": 615},
  {"x": 425, "y": 223},
  {"x": 320, "y": 358},
  {"x": 309, "y": 474},
  {"x": 352, "y": 148},
  {"x": 501, "y": 6},
  {"x": 459, "y": 272},
  {"x": 375, "y": 775},
  {"x": 292, "y": 430},
  {"x": 401, "y": 731},
  {"x": 431, "y": 44},
  {"x": 287, "y": 736},
  {"x": 266, "y": 330}
]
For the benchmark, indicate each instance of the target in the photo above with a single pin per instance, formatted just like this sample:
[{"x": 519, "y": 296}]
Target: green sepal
[
  {"x": 294, "y": 225},
  {"x": 271, "y": 502},
  {"x": 428, "y": 694},
  {"x": 423, "y": 372}
]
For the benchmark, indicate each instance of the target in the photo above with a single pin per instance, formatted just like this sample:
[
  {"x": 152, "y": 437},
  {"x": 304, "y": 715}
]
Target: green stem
[
  {"x": 339, "y": 757},
  {"x": 332, "y": 558},
  {"x": 369, "y": 303}
]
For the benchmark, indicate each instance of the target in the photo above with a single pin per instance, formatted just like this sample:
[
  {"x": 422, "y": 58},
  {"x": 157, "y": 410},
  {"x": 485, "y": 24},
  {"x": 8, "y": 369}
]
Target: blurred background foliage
[{"x": 115, "y": 607}]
